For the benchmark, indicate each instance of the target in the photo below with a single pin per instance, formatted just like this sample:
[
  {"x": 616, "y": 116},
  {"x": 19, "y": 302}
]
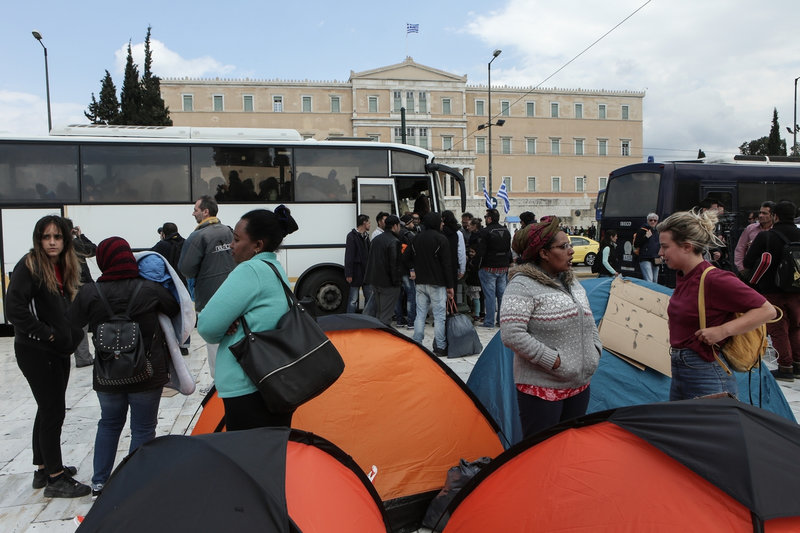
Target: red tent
[{"x": 711, "y": 465}]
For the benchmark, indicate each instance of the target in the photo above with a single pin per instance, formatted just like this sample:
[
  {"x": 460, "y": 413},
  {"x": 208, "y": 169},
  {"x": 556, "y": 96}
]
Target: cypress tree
[
  {"x": 154, "y": 112},
  {"x": 108, "y": 107},
  {"x": 131, "y": 96},
  {"x": 775, "y": 146}
]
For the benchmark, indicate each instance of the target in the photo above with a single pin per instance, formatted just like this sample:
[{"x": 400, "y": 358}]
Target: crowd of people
[{"x": 408, "y": 267}]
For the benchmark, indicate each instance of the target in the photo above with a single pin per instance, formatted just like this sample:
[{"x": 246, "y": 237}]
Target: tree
[
  {"x": 131, "y": 96},
  {"x": 154, "y": 112},
  {"x": 775, "y": 145},
  {"x": 106, "y": 111},
  {"x": 770, "y": 145}
]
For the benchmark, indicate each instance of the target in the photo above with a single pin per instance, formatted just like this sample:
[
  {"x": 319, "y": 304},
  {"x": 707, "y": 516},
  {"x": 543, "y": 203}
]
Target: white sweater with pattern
[{"x": 542, "y": 318}]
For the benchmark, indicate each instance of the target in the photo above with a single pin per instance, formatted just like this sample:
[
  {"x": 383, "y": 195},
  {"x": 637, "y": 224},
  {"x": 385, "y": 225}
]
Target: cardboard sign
[{"x": 635, "y": 325}]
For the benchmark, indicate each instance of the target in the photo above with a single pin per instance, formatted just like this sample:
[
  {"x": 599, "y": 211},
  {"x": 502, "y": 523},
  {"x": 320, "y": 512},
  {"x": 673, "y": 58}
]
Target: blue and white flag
[
  {"x": 487, "y": 197},
  {"x": 412, "y": 28},
  {"x": 502, "y": 192}
]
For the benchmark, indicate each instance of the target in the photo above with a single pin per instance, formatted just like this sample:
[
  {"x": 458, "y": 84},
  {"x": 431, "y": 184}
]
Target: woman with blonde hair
[
  {"x": 683, "y": 238},
  {"x": 42, "y": 285},
  {"x": 546, "y": 320}
]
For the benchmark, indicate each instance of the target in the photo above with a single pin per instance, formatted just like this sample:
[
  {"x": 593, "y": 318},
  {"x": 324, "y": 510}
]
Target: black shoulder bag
[
  {"x": 120, "y": 356},
  {"x": 292, "y": 363}
]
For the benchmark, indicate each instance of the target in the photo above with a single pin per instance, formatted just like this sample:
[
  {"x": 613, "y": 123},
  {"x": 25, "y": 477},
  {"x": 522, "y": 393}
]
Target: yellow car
[{"x": 585, "y": 249}]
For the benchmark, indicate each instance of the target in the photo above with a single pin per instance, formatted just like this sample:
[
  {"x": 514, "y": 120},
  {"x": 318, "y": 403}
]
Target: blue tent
[{"x": 615, "y": 384}]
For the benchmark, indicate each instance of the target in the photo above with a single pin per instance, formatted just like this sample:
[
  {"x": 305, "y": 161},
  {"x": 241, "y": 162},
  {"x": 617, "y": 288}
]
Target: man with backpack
[
  {"x": 494, "y": 249},
  {"x": 773, "y": 259}
]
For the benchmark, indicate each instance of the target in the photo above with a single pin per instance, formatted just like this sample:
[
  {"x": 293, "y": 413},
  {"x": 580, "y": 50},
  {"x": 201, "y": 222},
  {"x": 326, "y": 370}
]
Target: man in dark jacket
[
  {"x": 356, "y": 252},
  {"x": 428, "y": 261},
  {"x": 494, "y": 250},
  {"x": 84, "y": 248},
  {"x": 384, "y": 271},
  {"x": 762, "y": 259},
  {"x": 170, "y": 246}
]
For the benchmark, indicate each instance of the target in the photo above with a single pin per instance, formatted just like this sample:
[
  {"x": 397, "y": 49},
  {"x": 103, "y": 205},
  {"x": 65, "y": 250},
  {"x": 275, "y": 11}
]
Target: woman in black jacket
[
  {"x": 41, "y": 287},
  {"x": 118, "y": 284}
]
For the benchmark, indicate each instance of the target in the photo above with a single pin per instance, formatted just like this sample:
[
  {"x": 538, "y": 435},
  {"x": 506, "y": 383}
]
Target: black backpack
[
  {"x": 787, "y": 273},
  {"x": 597, "y": 260},
  {"x": 120, "y": 356}
]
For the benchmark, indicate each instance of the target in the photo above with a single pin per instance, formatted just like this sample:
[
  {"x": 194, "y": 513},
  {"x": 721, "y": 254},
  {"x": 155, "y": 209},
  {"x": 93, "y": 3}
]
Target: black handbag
[
  {"x": 292, "y": 363},
  {"x": 120, "y": 358}
]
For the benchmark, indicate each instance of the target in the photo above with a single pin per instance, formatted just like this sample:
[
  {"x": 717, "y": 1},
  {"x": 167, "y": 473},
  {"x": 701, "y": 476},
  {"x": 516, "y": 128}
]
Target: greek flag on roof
[
  {"x": 502, "y": 192},
  {"x": 412, "y": 28},
  {"x": 487, "y": 197}
]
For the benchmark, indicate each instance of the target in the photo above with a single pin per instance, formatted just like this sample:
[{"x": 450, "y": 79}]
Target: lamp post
[
  {"x": 494, "y": 56},
  {"x": 794, "y": 124},
  {"x": 38, "y": 37}
]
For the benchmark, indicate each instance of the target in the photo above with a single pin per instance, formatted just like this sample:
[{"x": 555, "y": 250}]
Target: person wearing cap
[
  {"x": 124, "y": 289},
  {"x": 384, "y": 272},
  {"x": 170, "y": 247},
  {"x": 408, "y": 295},
  {"x": 546, "y": 320}
]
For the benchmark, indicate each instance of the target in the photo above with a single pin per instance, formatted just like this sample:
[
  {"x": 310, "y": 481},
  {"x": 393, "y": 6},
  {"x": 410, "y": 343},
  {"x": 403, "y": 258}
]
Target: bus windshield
[{"x": 632, "y": 195}]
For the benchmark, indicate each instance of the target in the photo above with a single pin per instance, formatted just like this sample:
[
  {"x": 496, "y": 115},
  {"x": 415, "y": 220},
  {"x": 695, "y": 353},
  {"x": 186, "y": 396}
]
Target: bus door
[
  {"x": 17, "y": 229},
  {"x": 375, "y": 195},
  {"x": 727, "y": 226}
]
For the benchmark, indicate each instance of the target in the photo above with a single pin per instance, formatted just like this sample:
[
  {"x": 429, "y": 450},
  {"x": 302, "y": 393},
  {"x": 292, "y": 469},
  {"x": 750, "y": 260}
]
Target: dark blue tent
[{"x": 615, "y": 384}]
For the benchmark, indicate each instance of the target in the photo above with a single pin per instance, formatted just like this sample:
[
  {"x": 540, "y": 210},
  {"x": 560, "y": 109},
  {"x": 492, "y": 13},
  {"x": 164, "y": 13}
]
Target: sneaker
[
  {"x": 64, "y": 486},
  {"x": 410, "y": 327},
  {"x": 184, "y": 351},
  {"x": 783, "y": 374},
  {"x": 439, "y": 352},
  {"x": 40, "y": 476},
  {"x": 96, "y": 490}
]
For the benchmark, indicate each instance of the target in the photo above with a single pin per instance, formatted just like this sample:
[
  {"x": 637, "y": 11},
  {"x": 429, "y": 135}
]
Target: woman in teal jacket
[{"x": 251, "y": 290}]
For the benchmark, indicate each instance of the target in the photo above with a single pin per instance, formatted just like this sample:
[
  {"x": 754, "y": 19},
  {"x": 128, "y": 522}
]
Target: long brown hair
[{"x": 39, "y": 263}]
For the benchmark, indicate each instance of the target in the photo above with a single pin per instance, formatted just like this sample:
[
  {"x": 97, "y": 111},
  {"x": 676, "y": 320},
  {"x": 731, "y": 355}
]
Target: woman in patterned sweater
[{"x": 545, "y": 319}]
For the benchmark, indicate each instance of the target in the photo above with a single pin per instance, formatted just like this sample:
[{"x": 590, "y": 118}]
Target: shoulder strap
[
  {"x": 290, "y": 298},
  {"x": 701, "y": 298},
  {"x": 130, "y": 301},
  {"x": 701, "y": 305}
]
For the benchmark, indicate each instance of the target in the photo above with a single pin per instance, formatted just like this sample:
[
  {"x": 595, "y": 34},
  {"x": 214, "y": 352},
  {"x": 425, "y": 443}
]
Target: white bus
[{"x": 129, "y": 180}]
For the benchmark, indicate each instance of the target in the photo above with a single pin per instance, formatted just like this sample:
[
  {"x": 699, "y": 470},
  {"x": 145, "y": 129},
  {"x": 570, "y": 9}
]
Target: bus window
[
  {"x": 632, "y": 195},
  {"x": 407, "y": 163},
  {"x": 125, "y": 174},
  {"x": 598, "y": 204},
  {"x": 328, "y": 174},
  {"x": 242, "y": 174},
  {"x": 687, "y": 194},
  {"x": 38, "y": 173}
]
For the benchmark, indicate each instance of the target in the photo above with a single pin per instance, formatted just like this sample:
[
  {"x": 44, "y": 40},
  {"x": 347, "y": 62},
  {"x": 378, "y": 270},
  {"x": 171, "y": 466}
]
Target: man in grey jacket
[{"x": 206, "y": 257}]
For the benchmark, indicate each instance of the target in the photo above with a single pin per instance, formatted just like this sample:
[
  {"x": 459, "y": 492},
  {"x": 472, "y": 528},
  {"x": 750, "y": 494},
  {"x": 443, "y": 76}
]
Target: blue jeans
[
  {"x": 352, "y": 298},
  {"x": 493, "y": 286},
  {"x": 649, "y": 271},
  {"x": 435, "y": 296},
  {"x": 410, "y": 289},
  {"x": 113, "y": 412},
  {"x": 693, "y": 376}
]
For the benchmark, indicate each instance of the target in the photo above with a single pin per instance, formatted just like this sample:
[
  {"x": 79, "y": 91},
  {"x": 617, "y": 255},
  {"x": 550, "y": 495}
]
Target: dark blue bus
[{"x": 741, "y": 185}]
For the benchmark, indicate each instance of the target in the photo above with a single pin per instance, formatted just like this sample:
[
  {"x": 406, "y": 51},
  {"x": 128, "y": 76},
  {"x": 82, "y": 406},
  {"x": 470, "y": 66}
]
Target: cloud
[
  {"x": 25, "y": 115},
  {"x": 169, "y": 64},
  {"x": 712, "y": 72}
]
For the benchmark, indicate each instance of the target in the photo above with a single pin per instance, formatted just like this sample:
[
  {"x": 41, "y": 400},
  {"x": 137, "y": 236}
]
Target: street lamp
[
  {"x": 494, "y": 56},
  {"x": 38, "y": 37},
  {"x": 794, "y": 128}
]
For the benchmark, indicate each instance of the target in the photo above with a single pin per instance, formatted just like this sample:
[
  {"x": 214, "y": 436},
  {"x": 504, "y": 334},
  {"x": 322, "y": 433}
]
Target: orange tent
[
  {"x": 707, "y": 465},
  {"x": 396, "y": 407}
]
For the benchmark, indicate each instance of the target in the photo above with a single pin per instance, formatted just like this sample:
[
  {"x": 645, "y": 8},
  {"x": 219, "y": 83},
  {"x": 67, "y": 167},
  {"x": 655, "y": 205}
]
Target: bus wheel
[
  {"x": 328, "y": 290},
  {"x": 589, "y": 259}
]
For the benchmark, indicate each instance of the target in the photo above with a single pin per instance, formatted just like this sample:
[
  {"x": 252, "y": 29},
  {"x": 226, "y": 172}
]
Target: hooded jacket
[
  {"x": 544, "y": 318},
  {"x": 429, "y": 254}
]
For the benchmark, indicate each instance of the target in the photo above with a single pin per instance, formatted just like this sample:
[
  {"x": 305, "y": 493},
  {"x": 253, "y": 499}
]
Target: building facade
[{"x": 554, "y": 150}]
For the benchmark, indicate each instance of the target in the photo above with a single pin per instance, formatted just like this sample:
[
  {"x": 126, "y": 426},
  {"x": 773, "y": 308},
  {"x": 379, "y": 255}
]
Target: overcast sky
[{"x": 712, "y": 70}]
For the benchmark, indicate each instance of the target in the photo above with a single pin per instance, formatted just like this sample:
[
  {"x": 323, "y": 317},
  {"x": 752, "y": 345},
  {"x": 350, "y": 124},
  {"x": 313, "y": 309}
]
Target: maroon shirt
[{"x": 725, "y": 295}]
